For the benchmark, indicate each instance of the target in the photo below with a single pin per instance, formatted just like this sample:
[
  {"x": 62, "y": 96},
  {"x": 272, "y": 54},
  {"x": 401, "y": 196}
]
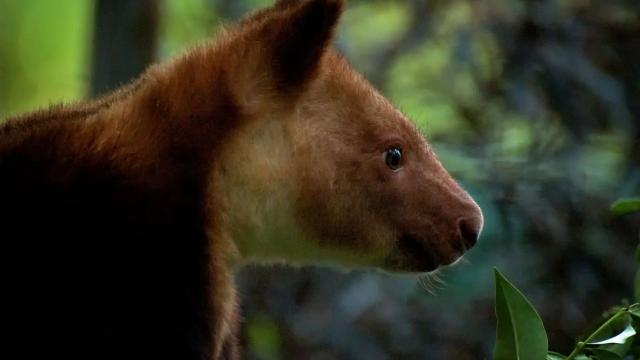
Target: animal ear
[{"x": 302, "y": 31}]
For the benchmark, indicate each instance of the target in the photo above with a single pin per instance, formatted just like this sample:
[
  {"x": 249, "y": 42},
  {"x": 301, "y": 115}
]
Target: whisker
[
  {"x": 426, "y": 282},
  {"x": 433, "y": 281},
  {"x": 437, "y": 278},
  {"x": 424, "y": 285}
]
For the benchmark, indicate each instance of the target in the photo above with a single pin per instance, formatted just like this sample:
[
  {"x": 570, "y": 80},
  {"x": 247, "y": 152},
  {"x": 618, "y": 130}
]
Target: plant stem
[{"x": 581, "y": 344}]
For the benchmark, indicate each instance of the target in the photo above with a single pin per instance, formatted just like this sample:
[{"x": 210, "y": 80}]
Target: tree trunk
[{"x": 124, "y": 41}]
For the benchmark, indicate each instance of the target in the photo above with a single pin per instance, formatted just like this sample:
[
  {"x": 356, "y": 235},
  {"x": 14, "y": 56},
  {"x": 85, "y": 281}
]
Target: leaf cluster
[{"x": 521, "y": 334}]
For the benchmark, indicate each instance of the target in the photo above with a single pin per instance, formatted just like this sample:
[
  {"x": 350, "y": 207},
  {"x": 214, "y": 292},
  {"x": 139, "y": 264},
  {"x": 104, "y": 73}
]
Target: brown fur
[{"x": 125, "y": 216}]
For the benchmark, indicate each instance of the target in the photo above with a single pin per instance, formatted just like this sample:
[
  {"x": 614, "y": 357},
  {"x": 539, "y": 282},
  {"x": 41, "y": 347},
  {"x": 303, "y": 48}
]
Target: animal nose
[{"x": 469, "y": 229}]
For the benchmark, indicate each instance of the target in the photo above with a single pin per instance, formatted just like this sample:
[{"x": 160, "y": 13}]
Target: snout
[
  {"x": 469, "y": 229},
  {"x": 440, "y": 244},
  {"x": 467, "y": 232}
]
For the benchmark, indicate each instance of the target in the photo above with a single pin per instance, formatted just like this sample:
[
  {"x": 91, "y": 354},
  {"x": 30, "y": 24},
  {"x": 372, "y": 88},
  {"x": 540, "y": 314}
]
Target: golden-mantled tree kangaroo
[{"x": 122, "y": 218}]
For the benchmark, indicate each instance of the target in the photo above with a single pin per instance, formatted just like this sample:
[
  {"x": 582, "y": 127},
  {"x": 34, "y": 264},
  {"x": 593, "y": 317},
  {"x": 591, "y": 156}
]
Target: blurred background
[{"x": 533, "y": 105}]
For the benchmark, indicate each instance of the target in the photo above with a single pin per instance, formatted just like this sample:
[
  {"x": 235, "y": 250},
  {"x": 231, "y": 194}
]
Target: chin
[{"x": 416, "y": 256}]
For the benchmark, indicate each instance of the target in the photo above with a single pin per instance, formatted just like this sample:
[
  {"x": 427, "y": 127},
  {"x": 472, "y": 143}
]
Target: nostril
[{"x": 469, "y": 231}]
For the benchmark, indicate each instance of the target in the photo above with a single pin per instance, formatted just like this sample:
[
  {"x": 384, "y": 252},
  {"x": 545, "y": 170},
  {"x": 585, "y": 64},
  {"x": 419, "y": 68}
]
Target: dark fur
[
  {"x": 105, "y": 260},
  {"x": 104, "y": 238}
]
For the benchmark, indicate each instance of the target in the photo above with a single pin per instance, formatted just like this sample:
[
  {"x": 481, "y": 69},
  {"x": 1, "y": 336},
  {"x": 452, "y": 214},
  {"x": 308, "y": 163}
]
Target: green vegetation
[
  {"x": 521, "y": 334},
  {"x": 625, "y": 206},
  {"x": 44, "y": 53}
]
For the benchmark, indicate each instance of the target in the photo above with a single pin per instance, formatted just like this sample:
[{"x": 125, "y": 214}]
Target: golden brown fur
[{"x": 130, "y": 212}]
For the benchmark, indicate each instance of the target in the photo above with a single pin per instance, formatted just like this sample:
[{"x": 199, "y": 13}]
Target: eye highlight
[{"x": 393, "y": 158}]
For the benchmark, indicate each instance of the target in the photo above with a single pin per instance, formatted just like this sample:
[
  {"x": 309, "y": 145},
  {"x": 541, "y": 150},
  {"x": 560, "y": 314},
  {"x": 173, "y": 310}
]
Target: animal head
[{"x": 324, "y": 168}]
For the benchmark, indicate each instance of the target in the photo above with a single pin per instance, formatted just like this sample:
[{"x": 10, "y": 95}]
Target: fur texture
[{"x": 123, "y": 218}]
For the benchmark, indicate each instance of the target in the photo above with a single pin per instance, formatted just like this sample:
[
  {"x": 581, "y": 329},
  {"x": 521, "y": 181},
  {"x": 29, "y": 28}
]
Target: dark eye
[{"x": 393, "y": 158}]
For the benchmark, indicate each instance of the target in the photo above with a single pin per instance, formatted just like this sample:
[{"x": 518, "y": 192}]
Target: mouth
[{"x": 412, "y": 255}]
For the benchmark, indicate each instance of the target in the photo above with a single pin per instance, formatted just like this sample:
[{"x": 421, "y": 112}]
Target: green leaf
[
  {"x": 520, "y": 332},
  {"x": 615, "y": 336},
  {"x": 620, "y": 338},
  {"x": 605, "y": 355},
  {"x": 617, "y": 349},
  {"x": 635, "y": 309},
  {"x": 625, "y": 206},
  {"x": 634, "y": 352},
  {"x": 552, "y": 355}
]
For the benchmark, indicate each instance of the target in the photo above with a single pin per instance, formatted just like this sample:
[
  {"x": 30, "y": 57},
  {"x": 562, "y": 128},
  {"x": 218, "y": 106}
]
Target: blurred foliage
[
  {"x": 625, "y": 206},
  {"x": 44, "y": 52},
  {"x": 521, "y": 333},
  {"x": 533, "y": 105}
]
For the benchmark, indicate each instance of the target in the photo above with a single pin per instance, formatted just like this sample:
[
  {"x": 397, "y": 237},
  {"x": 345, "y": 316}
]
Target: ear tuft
[{"x": 305, "y": 31}]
